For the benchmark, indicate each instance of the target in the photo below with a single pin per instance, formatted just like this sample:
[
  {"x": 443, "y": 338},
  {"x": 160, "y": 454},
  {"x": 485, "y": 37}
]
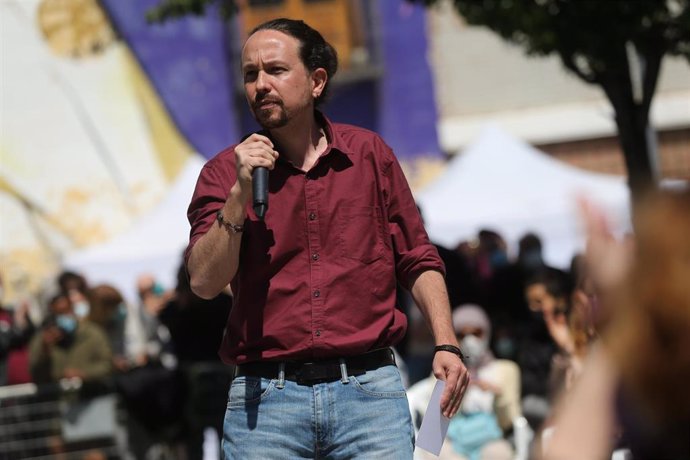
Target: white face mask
[
  {"x": 81, "y": 309},
  {"x": 474, "y": 348}
]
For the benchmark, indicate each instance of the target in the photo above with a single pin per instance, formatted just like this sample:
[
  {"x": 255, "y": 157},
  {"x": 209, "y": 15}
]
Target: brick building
[{"x": 480, "y": 78}]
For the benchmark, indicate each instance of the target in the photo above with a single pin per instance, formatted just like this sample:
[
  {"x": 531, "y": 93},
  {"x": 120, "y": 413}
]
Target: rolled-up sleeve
[
  {"x": 211, "y": 192},
  {"x": 414, "y": 253}
]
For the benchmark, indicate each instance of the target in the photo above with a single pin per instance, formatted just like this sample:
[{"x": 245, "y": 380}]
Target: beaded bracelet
[
  {"x": 227, "y": 224},
  {"x": 451, "y": 349}
]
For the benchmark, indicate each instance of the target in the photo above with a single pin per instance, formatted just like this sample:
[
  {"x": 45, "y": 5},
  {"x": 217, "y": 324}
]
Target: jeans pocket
[
  {"x": 384, "y": 382},
  {"x": 248, "y": 390}
]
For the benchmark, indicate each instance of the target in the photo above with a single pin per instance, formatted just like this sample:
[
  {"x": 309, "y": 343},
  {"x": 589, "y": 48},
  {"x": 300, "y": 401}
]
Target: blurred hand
[
  {"x": 21, "y": 315},
  {"x": 559, "y": 331},
  {"x": 51, "y": 335},
  {"x": 486, "y": 386},
  {"x": 141, "y": 359},
  {"x": 154, "y": 303},
  {"x": 607, "y": 260},
  {"x": 120, "y": 363},
  {"x": 71, "y": 373}
]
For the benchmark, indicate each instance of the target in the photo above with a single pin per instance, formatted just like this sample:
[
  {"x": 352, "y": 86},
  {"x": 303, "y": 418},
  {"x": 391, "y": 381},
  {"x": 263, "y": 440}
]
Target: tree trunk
[
  {"x": 632, "y": 116},
  {"x": 632, "y": 135},
  {"x": 632, "y": 120}
]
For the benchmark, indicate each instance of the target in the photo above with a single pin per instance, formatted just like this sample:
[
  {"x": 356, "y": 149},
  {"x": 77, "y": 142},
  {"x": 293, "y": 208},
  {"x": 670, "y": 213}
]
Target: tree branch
[{"x": 569, "y": 63}]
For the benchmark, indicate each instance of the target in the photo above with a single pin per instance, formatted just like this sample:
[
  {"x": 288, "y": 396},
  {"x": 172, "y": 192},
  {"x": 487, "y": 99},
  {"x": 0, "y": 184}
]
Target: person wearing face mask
[
  {"x": 504, "y": 298},
  {"x": 16, "y": 329},
  {"x": 490, "y": 411},
  {"x": 491, "y": 403},
  {"x": 66, "y": 347},
  {"x": 109, "y": 311},
  {"x": 76, "y": 288}
]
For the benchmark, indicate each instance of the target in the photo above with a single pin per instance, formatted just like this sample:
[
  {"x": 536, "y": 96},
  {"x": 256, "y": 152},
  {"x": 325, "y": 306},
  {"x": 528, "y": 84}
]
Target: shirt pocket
[{"x": 361, "y": 233}]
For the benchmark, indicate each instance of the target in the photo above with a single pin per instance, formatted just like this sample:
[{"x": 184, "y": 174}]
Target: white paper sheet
[{"x": 434, "y": 424}]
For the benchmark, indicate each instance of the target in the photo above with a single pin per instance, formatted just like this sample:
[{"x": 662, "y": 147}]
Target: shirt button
[
  {"x": 315, "y": 256},
  {"x": 312, "y": 216},
  {"x": 318, "y": 333},
  {"x": 317, "y": 293}
]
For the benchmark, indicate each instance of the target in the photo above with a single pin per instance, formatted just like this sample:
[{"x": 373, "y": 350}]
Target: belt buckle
[
  {"x": 307, "y": 373},
  {"x": 314, "y": 372}
]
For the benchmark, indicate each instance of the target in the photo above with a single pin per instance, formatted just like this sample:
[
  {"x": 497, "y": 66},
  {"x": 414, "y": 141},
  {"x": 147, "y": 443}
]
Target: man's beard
[{"x": 267, "y": 118}]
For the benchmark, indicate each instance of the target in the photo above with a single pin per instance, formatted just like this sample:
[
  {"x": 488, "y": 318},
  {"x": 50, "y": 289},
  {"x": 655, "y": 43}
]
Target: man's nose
[{"x": 262, "y": 82}]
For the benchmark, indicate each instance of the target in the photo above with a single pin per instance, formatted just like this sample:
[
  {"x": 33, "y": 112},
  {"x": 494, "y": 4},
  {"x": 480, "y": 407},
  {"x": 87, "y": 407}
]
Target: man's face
[
  {"x": 277, "y": 85},
  {"x": 65, "y": 320}
]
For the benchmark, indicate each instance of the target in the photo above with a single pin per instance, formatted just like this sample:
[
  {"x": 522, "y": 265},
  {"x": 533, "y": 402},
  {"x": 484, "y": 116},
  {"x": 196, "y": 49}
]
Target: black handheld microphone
[{"x": 260, "y": 191}]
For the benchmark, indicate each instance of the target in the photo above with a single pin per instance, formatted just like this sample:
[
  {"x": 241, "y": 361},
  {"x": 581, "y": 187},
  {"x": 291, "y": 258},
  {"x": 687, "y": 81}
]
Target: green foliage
[
  {"x": 601, "y": 41},
  {"x": 589, "y": 35},
  {"x": 174, "y": 9}
]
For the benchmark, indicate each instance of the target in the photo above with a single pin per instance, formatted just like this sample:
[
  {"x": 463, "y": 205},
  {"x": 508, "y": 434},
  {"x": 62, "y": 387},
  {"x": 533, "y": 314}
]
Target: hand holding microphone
[{"x": 256, "y": 154}]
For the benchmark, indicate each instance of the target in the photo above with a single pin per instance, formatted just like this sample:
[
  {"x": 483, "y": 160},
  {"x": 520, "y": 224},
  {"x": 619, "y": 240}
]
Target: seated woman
[
  {"x": 547, "y": 345},
  {"x": 491, "y": 406}
]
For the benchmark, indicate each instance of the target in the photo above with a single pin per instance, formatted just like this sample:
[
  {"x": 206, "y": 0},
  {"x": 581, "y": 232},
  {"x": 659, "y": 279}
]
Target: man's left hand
[{"x": 449, "y": 368}]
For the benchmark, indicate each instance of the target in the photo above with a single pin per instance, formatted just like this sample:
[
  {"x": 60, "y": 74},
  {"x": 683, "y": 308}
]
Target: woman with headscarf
[
  {"x": 491, "y": 406},
  {"x": 492, "y": 399}
]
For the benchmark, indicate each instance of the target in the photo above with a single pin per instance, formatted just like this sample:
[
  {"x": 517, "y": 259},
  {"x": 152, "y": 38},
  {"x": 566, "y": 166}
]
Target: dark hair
[
  {"x": 529, "y": 241},
  {"x": 104, "y": 300},
  {"x": 314, "y": 51},
  {"x": 556, "y": 282},
  {"x": 71, "y": 280},
  {"x": 490, "y": 240}
]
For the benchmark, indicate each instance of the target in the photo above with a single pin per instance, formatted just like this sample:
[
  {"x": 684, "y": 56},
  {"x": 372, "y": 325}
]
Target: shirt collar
[{"x": 332, "y": 134}]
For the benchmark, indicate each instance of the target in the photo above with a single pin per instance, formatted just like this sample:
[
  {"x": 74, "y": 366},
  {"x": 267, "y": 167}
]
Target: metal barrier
[
  {"x": 153, "y": 414},
  {"x": 68, "y": 420}
]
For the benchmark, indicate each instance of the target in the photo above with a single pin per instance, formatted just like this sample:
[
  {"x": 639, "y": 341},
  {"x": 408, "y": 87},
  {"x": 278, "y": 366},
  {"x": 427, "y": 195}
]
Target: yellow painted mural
[{"x": 86, "y": 146}]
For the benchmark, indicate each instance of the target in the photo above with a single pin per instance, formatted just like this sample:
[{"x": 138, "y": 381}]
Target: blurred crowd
[
  {"x": 585, "y": 363},
  {"x": 525, "y": 328},
  {"x": 159, "y": 355},
  {"x": 588, "y": 362}
]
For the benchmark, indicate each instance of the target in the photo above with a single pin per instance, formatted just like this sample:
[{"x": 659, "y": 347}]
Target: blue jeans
[{"x": 366, "y": 418}]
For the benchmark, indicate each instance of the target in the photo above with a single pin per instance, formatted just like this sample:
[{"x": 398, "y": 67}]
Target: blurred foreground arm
[{"x": 584, "y": 418}]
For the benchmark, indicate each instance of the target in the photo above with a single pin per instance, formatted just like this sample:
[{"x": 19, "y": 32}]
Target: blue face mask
[
  {"x": 158, "y": 289},
  {"x": 120, "y": 313},
  {"x": 498, "y": 259},
  {"x": 82, "y": 308},
  {"x": 66, "y": 323},
  {"x": 505, "y": 348}
]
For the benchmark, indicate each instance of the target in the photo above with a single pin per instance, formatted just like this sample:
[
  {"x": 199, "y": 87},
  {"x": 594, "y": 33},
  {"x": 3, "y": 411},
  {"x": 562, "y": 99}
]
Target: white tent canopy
[
  {"x": 153, "y": 245},
  {"x": 502, "y": 184}
]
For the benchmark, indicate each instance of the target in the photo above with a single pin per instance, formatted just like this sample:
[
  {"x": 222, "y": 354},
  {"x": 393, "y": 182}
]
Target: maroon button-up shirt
[{"x": 317, "y": 278}]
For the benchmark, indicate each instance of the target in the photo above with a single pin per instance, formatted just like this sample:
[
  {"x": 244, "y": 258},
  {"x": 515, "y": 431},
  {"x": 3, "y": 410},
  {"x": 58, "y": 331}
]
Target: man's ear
[{"x": 319, "y": 77}]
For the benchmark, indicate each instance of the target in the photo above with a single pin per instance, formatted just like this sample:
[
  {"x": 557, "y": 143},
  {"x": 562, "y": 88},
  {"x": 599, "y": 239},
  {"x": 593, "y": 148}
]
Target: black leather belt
[{"x": 327, "y": 370}]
